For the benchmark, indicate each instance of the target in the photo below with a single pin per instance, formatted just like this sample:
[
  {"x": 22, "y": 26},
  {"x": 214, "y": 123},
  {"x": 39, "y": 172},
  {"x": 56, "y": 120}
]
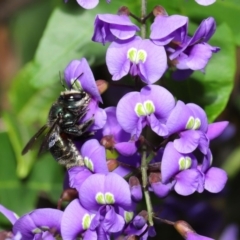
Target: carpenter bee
[{"x": 63, "y": 126}]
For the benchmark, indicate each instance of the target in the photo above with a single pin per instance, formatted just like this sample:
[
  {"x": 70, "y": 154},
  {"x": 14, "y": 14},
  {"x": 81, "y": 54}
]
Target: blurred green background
[{"x": 39, "y": 38}]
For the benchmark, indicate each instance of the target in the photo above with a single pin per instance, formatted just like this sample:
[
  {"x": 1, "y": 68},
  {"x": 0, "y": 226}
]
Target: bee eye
[{"x": 60, "y": 114}]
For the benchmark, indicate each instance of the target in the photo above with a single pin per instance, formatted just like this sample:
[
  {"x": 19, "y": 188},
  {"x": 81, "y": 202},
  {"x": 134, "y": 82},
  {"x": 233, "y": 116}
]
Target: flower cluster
[{"x": 108, "y": 190}]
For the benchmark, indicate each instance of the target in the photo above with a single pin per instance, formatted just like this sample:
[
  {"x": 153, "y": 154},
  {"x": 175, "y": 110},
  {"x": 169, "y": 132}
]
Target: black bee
[{"x": 63, "y": 125}]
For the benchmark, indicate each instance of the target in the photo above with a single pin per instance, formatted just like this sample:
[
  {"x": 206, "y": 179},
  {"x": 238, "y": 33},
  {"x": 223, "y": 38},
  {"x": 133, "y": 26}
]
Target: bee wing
[
  {"x": 44, "y": 144},
  {"x": 32, "y": 141}
]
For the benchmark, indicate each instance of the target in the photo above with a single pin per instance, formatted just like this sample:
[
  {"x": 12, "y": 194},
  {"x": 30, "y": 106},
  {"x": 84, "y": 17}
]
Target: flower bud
[
  {"x": 183, "y": 228},
  {"x": 112, "y": 164},
  {"x": 102, "y": 85},
  {"x": 159, "y": 11},
  {"x": 140, "y": 220},
  {"x": 135, "y": 188},
  {"x": 123, "y": 11},
  {"x": 108, "y": 142}
]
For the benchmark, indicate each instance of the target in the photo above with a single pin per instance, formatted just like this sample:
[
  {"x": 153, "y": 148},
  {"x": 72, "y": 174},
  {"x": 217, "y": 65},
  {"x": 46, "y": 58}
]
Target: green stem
[
  {"x": 144, "y": 165},
  {"x": 143, "y": 15}
]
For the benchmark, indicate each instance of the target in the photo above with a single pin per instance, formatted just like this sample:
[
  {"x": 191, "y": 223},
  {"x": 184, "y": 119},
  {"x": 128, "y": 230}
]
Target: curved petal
[
  {"x": 159, "y": 128},
  {"x": 178, "y": 118},
  {"x": 90, "y": 235},
  {"x": 162, "y": 99},
  {"x": 215, "y": 129},
  {"x": 187, "y": 182},
  {"x": 155, "y": 64},
  {"x": 122, "y": 171},
  {"x": 112, "y": 222},
  {"x": 88, "y": 4},
  {"x": 161, "y": 190},
  {"x": 164, "y": 29},
  {"x": 215, "y": 179},
  {"x": 94, "y": 156},
  {"x": 200, "y": 114},
  {"x": 72, "y": 220},
  {"x": 116, "y": 58},
  {"x": 126, "y": 148},
  {"x": 11, "y": 216},
  {"x": 88, "y": 191},
  {"x": 81, "y": 70},
  {"x": 47, "y": 217},
  {"x": 188, "y": 141},
  {"x": 120, "y": 189},
  {"x": 126, "y": 115}
]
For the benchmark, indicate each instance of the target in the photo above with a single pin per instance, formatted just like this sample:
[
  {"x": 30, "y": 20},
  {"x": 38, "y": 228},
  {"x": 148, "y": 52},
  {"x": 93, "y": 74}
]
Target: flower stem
[
  {"x": 143, "y": 15},
  {"x": 144, "y": 165}
]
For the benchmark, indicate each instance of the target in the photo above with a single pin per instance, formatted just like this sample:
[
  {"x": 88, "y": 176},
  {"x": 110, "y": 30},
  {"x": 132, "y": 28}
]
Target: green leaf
[
  {"x": 21, "y": 196},
  {"x": 212, "y": 89}
]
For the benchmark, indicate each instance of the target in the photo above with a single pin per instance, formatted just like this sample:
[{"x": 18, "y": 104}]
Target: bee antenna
[{"x": 76, "y": 79}]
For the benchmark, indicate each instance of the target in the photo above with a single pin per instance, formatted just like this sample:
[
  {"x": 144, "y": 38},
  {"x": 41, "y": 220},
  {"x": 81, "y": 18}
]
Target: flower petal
[
  {"x": 215, "y": 179},
  {"x": 88, "y": 4},
  {"x": 72, "y": 220},
  {"x": 120, "y": 189},
  {"x": 215, "y": 129},
  {"x": 11, "y": 216}
]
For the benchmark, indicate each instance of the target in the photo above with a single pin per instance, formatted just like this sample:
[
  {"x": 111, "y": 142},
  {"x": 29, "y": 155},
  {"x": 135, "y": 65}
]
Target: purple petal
[
  {"x": 116, "y": 58},
  {"x": 159, "y": 128},
  {"x": 178, "y": 118},
  {"x": 161, "y": 190},
  {"x": 77, "y": 67},
  {"x": 230, "y": 232},
  {"x": 215, "y": 129},
  {"x": 88, "y": 4},
  {"x": 188, "y": 141},
  {"x": 126, "y": 115},
  {"x": 47, "y": 217},
  {"x": 199, "y": 56},
  {"x": 89, "y": 189},
  {"x": 156, "y": 61},
  {"x": 136, "y": 193},
  {"x": 187, "y": 182},
  {"x": 72, "y": 220},
  {"x": 199, "y": 113},
  {"x": 94, "y": 156},
  {"x": 162, "y": 99},
  {"x": 122, "y": 171},
  {"x": 126, "y": 148},
  {"x": 164, "y": 29},
  {"x": 11, "y": 216},
  {"x": 77, "y": 175},
  {"x": 112, "y": 222},
  {"x": 25, "y": 226},
  {"x": 205, "y": 2},
  {"x": 171, "y": 164},
  {"x": 180, "y": 75},
  {"x": 120, "y": 189},
  {"x": 90, "y": 235},
  {"x": 215, "y": 179}
]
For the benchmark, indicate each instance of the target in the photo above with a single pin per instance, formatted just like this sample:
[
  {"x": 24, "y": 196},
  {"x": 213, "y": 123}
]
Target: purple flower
[
  {"x": 109, "y": 27},
  {"x": 205, "y": 2},
  {"x": 96, "y": 211},
  {"x": 151, "y": 106},
  {"x": 94, "y": 156},
  {"x": 80, "y": 70},
  {"x": 38, "y": 224},
  {"x": 120, "y": 140},
  {"x": 139, "y": 57},
  {"x": 169, "y": 28},
  {"x": 194, "y": 53},
  {"x": 88, "y": 4}
]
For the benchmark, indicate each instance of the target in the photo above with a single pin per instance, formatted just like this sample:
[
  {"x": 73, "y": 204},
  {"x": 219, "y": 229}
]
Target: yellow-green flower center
[
  {"x": 144, "y": 109},
  {"x": 184, "y": 163},
  {"x": 193, "y": 123},
  {"x": 135, "y": 55}
]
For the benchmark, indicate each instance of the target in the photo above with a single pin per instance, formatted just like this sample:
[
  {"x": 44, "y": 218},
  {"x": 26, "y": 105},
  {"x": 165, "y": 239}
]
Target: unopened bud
[
  {"x": 135, "y": 189},
  {"x": 154, "y": 178},
  {"x": 67, "y": 195},
  {"x": 108, "y": 142},
  {"x": 112, "y": 164},
  {"x": 183, "y": 228},
  {"x": 102, "y": 85},
  {"x": 159, "y": 11},
  {"x": 123, "y": 11}
]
